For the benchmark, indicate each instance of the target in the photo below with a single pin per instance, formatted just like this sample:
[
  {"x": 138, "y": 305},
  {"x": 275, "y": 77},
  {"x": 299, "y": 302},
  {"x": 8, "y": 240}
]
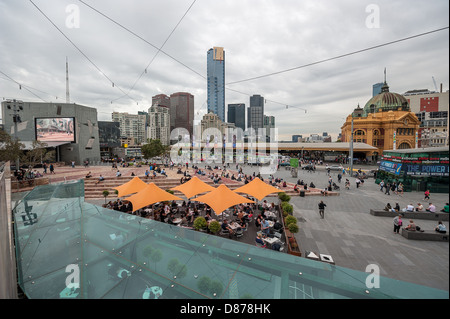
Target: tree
[
  {"x": 10, "y": 148},
  {"x": 153, "y": 148},
  {"x": 105, "y": 194},
  {"x": 37, "y": 154}
]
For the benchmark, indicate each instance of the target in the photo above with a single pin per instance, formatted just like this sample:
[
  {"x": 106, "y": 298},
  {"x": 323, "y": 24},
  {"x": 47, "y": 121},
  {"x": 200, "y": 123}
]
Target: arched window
[{"x": 404, "y": 146}]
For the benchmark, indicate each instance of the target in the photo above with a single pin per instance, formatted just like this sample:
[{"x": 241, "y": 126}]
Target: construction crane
[{"x": 435, "y": 86}]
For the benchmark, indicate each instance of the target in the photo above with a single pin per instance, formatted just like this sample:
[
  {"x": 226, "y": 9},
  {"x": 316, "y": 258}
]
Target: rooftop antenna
[{"x": 67, "y": 82}]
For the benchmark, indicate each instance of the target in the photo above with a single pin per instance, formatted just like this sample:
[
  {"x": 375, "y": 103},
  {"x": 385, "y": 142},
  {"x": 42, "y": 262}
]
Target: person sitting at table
[
  {"x": 170, "y": 219},
  {"x": 243, "y": 225},
  {"x": 226, "y": 227},
  {"x": 190, "y": 215},
  {"x": 258, "y": 221},
  {"x": 259, "y": 240},
  {"x": 265, "y": 226},
  {"x": 184, "y": 221}
]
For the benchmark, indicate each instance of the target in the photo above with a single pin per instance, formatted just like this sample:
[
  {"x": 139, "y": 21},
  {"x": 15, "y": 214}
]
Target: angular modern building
[
  {"x": 236, "y": 115},
  {"x": 216, "y": 81},
  {"x": 109, "y": 136},
  {"x": 70, "y": 128}
]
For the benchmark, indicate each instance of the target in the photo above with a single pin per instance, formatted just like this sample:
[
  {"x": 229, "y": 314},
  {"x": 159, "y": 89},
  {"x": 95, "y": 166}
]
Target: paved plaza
[
  {"x": 355, "y": 239},
  {"x": 348, "y": 233}
]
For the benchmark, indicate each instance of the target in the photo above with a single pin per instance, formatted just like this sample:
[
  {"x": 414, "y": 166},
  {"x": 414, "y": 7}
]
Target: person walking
[
  {"x": 397, "y": 223},
  {"x": 322, "y": 206},
  {"x": 52, "y": 169},
  {"x": 388, "y": 189},
  {"x": 381, "y": 186},
  {"x": 427, "y": 194}
]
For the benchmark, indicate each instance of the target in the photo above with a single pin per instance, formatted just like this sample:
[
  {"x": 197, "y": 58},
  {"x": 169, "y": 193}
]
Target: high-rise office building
[
  {"x": 132, "y": 126},
  {"x": 255, "y": 113},
  {"x": 216, "y": 81},
  {"x": 236, "y": 115},
  {"x": 161, "y": 100},
  {"x": 159, "y": 123},
  {"x": 182, "y": 111}
]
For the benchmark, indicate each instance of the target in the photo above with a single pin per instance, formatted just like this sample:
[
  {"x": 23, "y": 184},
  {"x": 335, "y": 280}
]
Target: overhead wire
[
  {"x": 22, "y": 85},
  {"x": 230, "y": 83},
  {"x": 273, "y": 73},
  {"x": 79, "y": 50},
  {"x": 338, "y": 57},
  {"x": 159, "y": 49},
  {"x": 140, "y": 37}
]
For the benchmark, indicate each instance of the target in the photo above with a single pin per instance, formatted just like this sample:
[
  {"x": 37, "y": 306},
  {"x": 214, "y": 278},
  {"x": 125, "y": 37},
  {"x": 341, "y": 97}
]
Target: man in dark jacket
[{"x": 322, "y": 209}]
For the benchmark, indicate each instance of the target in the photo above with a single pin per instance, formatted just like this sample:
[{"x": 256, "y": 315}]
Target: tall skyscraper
[
  {"x": 376, "y": 88},
  {"x": 236, "y": 115},
  {"x": 255, "y": 113},
  {"x": 182, "y": 111},
  {"x": 216, "y": 81}
]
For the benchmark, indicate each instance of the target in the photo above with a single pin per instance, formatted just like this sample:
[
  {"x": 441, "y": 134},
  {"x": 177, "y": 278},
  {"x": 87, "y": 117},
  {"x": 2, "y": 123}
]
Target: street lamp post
[
  {"x": 351, "y": 151},
  {"x": 16, "y": 106}
]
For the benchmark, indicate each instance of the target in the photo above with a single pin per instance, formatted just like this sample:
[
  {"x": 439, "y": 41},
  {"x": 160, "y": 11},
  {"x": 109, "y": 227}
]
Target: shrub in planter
[
  {"x": 214, "y": 226},
  {"x": 289, "y": 220},
  {"x": 286, "y": 207},
  {"x": 284, "y": 197},
  {"x": 293, "y": 228},
  {"x": 200, "y": 223}
]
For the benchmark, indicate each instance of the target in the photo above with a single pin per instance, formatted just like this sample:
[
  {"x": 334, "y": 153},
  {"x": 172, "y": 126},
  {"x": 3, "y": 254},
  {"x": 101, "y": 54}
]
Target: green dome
[{"x": 386, "y": 101}]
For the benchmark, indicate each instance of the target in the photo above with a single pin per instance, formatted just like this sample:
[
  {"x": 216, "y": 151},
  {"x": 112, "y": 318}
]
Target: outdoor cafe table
[{"x": 234, "y": 225}]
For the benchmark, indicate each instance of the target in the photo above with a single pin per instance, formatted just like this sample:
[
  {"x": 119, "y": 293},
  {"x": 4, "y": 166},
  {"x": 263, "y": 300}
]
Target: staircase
[{"x": 95, "y": 191}]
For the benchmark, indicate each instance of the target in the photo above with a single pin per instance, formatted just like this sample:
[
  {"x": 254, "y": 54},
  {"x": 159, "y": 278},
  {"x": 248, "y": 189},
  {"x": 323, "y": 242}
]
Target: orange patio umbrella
[
  {"x": 193, "y": 187},
  {"x": 222, "y": 198},
  {"x": 149, "y": 195},
  {"x": 257, "y": 188},
  {"x": 133, "y": 186}
]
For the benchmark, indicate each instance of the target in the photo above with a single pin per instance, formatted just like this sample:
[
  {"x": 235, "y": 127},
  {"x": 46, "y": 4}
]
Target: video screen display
[{"x": 55, "y": 129}]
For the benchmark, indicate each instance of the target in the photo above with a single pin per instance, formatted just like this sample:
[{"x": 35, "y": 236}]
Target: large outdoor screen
[{"x": 55, "y": 129}]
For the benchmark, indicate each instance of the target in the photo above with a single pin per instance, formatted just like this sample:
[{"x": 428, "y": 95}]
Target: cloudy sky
[{"x": 115, "y": 65}]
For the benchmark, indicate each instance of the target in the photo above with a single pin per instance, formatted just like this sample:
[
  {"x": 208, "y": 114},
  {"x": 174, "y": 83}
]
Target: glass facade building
[
  {"x": 236, "y": 115},
  {"x": 216, "y": 81},
  {"x": 68, "y": 248}
]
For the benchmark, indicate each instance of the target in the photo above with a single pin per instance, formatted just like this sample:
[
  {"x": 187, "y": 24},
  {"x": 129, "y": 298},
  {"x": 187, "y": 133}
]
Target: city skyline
[{"x": 270, "y": 38}]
